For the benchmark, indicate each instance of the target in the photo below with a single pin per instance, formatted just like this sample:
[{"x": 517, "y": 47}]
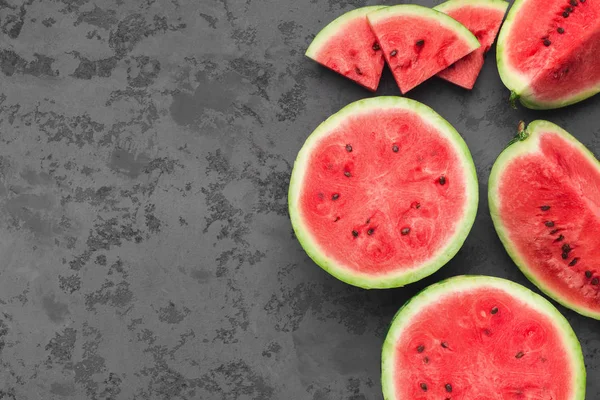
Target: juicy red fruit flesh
[
  {"x": 382, "y": 192},
  {"x": 481, "y": 344},
  {"x": 354, "y": 53},
  {"x": 549, "y": 203},
  {"x": 415, "y": 50},
  {"x": 484, "y": 23}
]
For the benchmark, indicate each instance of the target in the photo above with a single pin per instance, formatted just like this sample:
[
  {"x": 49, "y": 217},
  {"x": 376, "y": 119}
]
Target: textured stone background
[{"x": 145, "y": 247}]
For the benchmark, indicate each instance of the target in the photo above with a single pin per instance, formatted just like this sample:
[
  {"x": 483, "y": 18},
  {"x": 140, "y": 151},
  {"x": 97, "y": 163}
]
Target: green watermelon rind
[
  {"x": 335, "y": 27},
  {"x": 517, "y": 149},
  {"x": 455, "y": 284},
  {"x": 450, "y": 5},
  {"x": 401, "y": 278},
  {"x": 517, "y": 83},
  {"x": 440, "y": 17}
]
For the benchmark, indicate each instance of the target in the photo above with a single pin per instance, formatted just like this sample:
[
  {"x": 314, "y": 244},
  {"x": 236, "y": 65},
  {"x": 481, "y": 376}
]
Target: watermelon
[
  {"x": 348, "y": 46},
  {"x": 544, "y": 197},
  {"x": 419, "y": 42},
  {"x": 481, "y": 338},
  {"x": 483, "y": 18},
  {"x": 383, "y": 193},
  {"x": 547, "y": 52}
]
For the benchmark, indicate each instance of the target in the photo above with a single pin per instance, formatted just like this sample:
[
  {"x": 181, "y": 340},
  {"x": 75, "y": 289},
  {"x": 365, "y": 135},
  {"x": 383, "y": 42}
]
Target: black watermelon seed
[
  {"x": 348, "y": 148},
  {"x": 573, "y": 3},
  {"x": 424, "y": 387},
  {"x": 448, "y": 388},
  {"x": 420, "y": 42},
  {"x": 487, "y": 332},
  {"x": 420, "y": 348},
  {"x": 335, "y": 196},
  {"x": 370, "y": 232},
  {"x": 552, "y": 232},
  {"x": 588, "y": 274},
  {"x": 418, "y": 206},
  {"x": 549, "y": 224},
  {"x": 545, "y": 208},
  {"x": 569, "y": 9},
  {"x": 494, "y": 310},
  {"x": 358, "y": 71},
  {"x": 426, "y": 360},
  {"x": 565, "y": 14},
  {"x": 564, "y": 255},
  {"x": 393, "y": 53},
  {"x": 519, "y": 354},
  {"x": 559, "y": 238},
  {"x": 582, "y": 1},
  {"x": 336, "y": 219},
  {"x": 573, "y": 261},
  {"x": 368, "y": 220},
  {"x": 395, "y": 148},
  {"x": 547, "y": 42},
  {"x": 355, "y": 233},
  {"x": 566, "y": 248},
  {"x": 560, "y": 30},
  {"x": 405, "y": 231},
  {"x": 348, "y": 174},
  {"x": 595, "y": 281},
  {"x": 376, "y": 46},
  {"x": 444, "y": 345},
  {"x": 442, "y": 180}
]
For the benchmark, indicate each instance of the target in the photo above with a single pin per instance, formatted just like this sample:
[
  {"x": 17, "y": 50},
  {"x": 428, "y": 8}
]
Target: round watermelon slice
[
  {"x": 547, "y": 52},
  {"x": 544, "y": 197},
  {"x": 483, "y": 18},
  {"x": 419, "y": 42},
  {"x": 383, "y": 193},
  {"x": 481, "y": 338},
  {"x": 348, "y": 46}
]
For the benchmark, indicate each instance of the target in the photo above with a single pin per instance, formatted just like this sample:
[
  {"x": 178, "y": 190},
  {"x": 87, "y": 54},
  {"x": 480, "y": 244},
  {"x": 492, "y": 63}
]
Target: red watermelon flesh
[
  {"x": 348, "y": 46},
  {"x": 483, "y": 339},
  {"x": 419, "y": 42},
  {"x": 548, "y": 51},
  {"x": 383, "y": 193},
  {"x": 483, "y": 18},
  {"x": 545, "y": 201}
]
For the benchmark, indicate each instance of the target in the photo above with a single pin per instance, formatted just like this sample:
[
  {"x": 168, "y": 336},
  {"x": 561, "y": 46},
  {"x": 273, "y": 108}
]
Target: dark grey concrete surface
[{"x": 145, "y": 246}]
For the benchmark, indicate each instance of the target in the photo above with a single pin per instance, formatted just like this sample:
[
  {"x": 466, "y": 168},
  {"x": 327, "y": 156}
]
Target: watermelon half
[
  {"x": 419, "y": 42},
  {"x": 383, "y": 193},
  {"x": 544, "y": 197},
  {"x": 481, "y": 338},
  {"x": 348, "y": 46},
  {"x": 548, "y": 50},
  {"x": 483, "y": 18}
]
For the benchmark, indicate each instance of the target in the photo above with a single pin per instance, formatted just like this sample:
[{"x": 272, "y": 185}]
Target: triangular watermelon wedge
[
  {"x": 483, "y": 18},
  {"x": 348, "y": 46},
  {"x": 419, "y": 42}
]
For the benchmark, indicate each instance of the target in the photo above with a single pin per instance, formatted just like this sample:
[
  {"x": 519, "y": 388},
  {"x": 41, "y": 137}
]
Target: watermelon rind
[
  {"x": 520, "y": 148},
  {"x": 396, "y": 278},
  {"x": 500, "y": 5},
  {"x": 334, "y": 27},
  {"x": 518, "y": 83},
  {"x": 440, "y": 17},
  {"x": 436, "y": 292}
]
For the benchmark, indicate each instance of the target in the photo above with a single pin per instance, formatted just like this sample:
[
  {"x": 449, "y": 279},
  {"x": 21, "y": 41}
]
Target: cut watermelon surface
[
  {"x": 483, "y": 18},
  {"x": 419, "y": 42},
  {"x": 481, "y": 338},
  {"x": 548, "y": 50},
  {"x": 544, "y": 196},
  {"x": 383, "y": 193},
  {"x": 348, "y": 46}
]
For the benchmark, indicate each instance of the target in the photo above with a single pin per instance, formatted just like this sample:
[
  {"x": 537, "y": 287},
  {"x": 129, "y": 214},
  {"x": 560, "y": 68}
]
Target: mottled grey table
[{"x": 145, "y": 247}]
